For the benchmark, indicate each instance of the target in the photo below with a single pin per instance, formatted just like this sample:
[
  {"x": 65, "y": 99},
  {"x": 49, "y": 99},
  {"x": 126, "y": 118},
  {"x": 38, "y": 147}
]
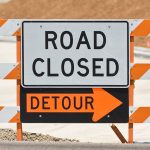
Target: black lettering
[
  {"x": 89, "y": 102},
  {"x": 34, "y": 66},
  {"x": 95, "y": 66},
  {"x": 44, "y": 102},
  {"x": 83, "y": 66},
  {"x": 35, "y": 99},
  {"x": 79, "y": 103},
  {"x": 49, "y": 74},
  {"x": 63, "y": 67},
  {"x": 62, "y": 39},
  {"x": 108, "y": 61},
  {"x": 83, "y": 40},
  {"x": 55, "y": 101},
  {"x": 95, "y": 40},
  {"x": 48, "y": 39},
  {"x": 66, "y": 100}
]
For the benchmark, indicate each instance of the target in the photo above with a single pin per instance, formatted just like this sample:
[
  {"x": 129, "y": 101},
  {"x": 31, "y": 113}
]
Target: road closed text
[{"x": 82, "y": 70}]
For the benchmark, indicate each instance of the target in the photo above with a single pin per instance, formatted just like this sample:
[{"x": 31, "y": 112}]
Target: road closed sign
[{"x": 75, "y": 54}]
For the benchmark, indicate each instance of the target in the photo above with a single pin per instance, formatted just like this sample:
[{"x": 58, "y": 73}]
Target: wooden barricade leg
[
  {"x": 130, "y": 133},
  {"x": 19, "y": 125},
  {"x": 130, "y": 125},
  {"x": 118, "y": 133},
  {"x": 131, "y": 91}
]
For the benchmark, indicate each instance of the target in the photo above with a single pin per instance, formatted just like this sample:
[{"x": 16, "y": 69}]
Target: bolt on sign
[{"x": 75, "y": 71}]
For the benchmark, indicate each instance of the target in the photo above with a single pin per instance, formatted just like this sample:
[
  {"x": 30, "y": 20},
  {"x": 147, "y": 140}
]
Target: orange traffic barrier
[
  {"x": 140, "y": 71},
  {"x": 12, "y": 114},
  {"x": 140, "y": 115},
  {"x": 143, "y": 29}
]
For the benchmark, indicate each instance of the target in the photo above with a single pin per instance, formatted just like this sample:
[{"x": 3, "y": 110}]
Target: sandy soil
[{"x": 101, "y": 9}]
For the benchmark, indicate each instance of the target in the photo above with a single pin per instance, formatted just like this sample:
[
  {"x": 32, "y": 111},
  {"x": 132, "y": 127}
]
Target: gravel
[{"x": 10, "y": 135}]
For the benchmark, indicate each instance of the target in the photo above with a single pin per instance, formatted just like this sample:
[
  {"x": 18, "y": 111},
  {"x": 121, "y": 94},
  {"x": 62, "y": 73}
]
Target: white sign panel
[{"x": 75, "y": 53}]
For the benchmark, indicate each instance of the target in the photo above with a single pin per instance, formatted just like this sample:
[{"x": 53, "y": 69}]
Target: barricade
[{"x": 12, "y": 27}]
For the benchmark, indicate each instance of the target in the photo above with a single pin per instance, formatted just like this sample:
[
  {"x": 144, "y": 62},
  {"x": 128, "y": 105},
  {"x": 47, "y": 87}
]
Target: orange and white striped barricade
[{"x": 11, "y": 27}]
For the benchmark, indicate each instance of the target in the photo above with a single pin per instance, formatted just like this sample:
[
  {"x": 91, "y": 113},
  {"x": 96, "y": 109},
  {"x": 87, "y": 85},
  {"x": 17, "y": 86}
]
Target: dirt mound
[
  {"x": 10, "y": 135},
  {"x": 75, "y": 9}
]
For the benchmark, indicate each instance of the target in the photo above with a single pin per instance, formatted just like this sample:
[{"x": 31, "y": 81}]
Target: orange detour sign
[
  {"x": 69, "y": 103},
  {"x": 92, "y": 104}
]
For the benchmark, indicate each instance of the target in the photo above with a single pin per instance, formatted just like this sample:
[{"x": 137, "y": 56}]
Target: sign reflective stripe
[
  {"x": 139, "y": 115},
  {"x": 134, "y": 23},
  {"x": 140, "y": 72},
  {"x": 2, "y": 22},
  {"x": 12, "y": 71},
  {"x": 9, "y": 114},
  {"x": 143, "y": 29},
  {"x": 9, "y": 27},
  {"x": 9, "y": 71}
]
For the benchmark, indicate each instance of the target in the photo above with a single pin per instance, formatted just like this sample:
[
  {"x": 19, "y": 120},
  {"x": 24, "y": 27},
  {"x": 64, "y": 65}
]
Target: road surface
[{"x": 70, "y": 146}]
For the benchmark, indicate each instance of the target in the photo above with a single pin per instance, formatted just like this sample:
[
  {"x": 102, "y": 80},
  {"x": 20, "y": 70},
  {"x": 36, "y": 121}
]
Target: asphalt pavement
[{"x": 70, "y": 146}]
